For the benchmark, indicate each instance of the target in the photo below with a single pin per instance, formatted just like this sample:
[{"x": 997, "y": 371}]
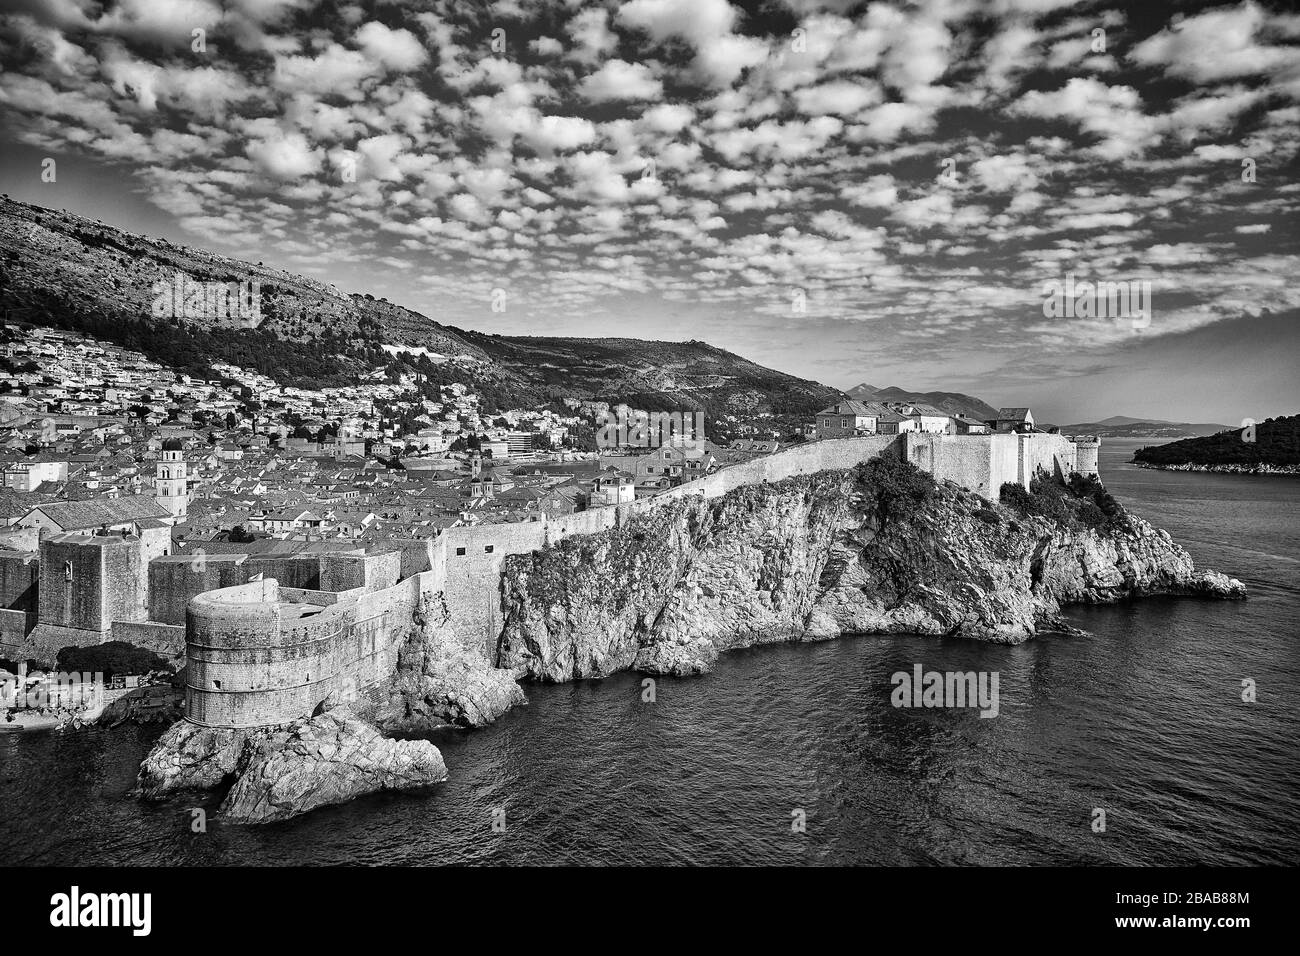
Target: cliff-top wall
[{"x": 266, "y": 652}]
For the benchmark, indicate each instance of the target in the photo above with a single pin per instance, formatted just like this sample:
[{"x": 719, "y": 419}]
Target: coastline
[
  {"x": 877, "y": 549},
  {"x": 1224, "y": 469}
]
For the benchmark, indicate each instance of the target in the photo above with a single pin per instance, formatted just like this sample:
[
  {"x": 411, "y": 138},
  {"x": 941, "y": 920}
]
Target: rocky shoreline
[
  {"x": 1230, "y": 469},
  {"x": 878, "y": 549}
]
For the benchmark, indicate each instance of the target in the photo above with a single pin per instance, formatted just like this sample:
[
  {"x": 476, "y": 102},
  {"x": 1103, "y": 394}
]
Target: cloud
[
  {"x": 396, "y": 49},
  {"x": 546, "y": 46},
  {"x": 620, "y": 80},
  {"x": 1217, "y": 44},
  {"x": 590, "y": 31},
  {"x": 1004, "y": 173},
  {"x": 1113, "y": 113},
  {"x": 720, "y": 56},
  {"x": 686, "y": 152},
  {"x": 838, "y": 96},
  {"x": 284, "y": 156}
]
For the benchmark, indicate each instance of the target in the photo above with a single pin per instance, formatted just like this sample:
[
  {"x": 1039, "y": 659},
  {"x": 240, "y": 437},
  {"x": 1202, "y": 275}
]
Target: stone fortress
[{"x": 270, "y": 638}]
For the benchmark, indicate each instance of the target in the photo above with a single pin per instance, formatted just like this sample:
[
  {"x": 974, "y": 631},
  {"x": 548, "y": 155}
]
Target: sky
[{"x": 849, "y": 192}]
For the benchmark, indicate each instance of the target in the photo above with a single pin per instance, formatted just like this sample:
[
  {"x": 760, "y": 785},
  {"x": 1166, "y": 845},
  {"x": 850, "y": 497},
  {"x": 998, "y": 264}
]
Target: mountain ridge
[
  {"x": 951, "y": 402},
  {"x": 1123, "y": 426},
  {"x": 66, "y": 271}
]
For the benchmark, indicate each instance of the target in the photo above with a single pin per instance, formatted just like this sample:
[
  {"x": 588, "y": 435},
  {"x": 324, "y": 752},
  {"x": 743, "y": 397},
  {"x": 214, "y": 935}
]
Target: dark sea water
[{"x": 1143, "y": 719}]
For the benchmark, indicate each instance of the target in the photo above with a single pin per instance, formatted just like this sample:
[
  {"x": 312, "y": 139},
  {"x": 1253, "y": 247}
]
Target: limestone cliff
[
  {"x": 438, "y": 682},
  {"x": 876, "y": 549}
]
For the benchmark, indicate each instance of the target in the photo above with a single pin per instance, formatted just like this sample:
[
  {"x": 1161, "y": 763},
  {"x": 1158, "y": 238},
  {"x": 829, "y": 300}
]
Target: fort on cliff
[{"x": 270, "y": 639}]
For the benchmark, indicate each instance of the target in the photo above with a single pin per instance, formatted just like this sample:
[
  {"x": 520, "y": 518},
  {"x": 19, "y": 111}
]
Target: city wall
[
  {"x": 980, "y": 463},
  {"x": 266, "y": 652},
  {"x": 166, "y": 640}
]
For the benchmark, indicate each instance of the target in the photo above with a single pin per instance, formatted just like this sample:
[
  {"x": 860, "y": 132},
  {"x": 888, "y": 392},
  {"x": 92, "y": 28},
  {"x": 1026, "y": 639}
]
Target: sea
[{"x": 1167, "y": 735}]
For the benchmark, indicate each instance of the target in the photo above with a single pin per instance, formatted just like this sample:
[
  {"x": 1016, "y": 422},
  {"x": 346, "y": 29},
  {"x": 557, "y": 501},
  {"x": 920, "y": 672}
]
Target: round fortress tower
[
  {"x": 1086, "y": 449},
  {"x": 254, "y": 660}
]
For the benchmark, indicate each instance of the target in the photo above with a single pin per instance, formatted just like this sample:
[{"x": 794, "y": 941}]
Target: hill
[
  {"x": 1277, "y": 443},
  {"x": 1121, "y": 426},
  {"x": 653, "y": 375},
  {"x": 954, "y": 403},
  {"x": 65, "y": 271}
]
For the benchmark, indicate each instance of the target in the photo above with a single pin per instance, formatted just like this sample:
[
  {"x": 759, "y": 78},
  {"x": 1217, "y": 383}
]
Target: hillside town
[{"x": 103, "y": 449}]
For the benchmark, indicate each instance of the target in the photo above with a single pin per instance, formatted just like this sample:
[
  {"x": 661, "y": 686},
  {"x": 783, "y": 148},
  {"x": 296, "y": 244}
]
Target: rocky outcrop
[
  {"x": 876, "y": 549},
  {"x": 190, "y": 757},
  {"x": 332, "y": 758},
  {"x": 280, "y": 772}
]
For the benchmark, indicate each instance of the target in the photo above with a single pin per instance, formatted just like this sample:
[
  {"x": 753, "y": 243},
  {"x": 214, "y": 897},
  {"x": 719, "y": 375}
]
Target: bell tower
[{"x": 171, "y": 486}]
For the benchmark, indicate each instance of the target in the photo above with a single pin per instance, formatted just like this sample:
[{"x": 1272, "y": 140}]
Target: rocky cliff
[
  {"x": 876, "y": 549},
  {"x": 439, "y": 683}
]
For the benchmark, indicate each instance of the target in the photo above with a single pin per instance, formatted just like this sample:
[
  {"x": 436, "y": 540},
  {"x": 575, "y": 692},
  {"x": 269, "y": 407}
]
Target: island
[{"x": 1271, "y": 447}]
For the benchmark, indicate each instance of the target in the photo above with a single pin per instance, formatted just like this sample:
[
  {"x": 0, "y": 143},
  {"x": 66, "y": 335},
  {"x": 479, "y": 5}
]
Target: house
[
  {"x": 612, "y": 487},
  {"x": 678, "y": 461},
  {"x": 846, "y": 419},
  {"x": 290, "y": 519},
  {"x": 969, "y": 426},
  {"x": 1013, "y": 420},
  {"x": 923, "y": 418},
  {"x": 559, "y": 500},
  {"x": 83, "y": 517},
  {"x": 28, "y": 475}
]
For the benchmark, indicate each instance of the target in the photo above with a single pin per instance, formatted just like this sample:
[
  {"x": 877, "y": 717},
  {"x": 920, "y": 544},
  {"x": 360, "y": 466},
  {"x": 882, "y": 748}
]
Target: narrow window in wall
[
  {"x": 67, "y": 570},
  {"x": 487, "y": 549},
  {"x": 217, "y": 684},
  {"x": 460, "y": 551}
]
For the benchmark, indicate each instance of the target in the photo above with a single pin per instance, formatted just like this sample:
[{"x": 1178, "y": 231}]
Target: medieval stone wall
[{"x": 267, "y": 651}]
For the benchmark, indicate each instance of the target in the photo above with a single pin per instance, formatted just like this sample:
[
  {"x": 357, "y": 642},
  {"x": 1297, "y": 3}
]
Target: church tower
[{"x": 171, "y": 486}]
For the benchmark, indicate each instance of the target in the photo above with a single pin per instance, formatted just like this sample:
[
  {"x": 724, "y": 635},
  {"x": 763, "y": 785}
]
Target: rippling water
[{"x": 1142, "y": 719}]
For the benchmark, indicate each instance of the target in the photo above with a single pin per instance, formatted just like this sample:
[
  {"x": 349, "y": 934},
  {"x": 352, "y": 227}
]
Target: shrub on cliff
[
  {"x": 1075, "y": 504},
  {"x": 897, "y": 488}
]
